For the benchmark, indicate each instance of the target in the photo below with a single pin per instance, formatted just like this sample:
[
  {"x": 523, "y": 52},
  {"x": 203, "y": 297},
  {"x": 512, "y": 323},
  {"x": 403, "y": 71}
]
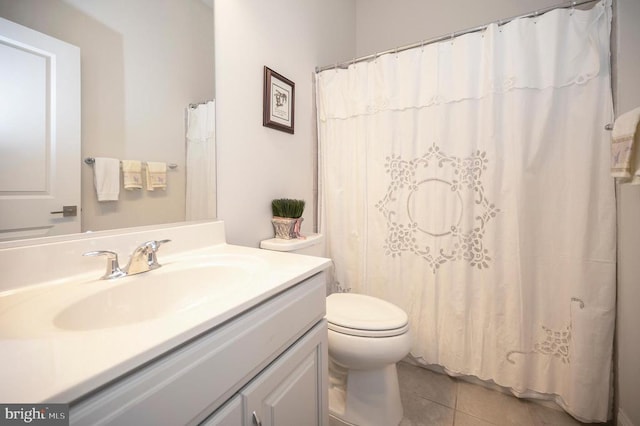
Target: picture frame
[{"x": 278, "y": 102}]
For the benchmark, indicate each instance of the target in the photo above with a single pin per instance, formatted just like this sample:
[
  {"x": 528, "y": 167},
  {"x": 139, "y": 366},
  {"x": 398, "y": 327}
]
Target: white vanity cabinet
[
  {"x": 285, "y": 393},
  {"x": 266, "y": 366},
  {"x": 229, "y": 414}
]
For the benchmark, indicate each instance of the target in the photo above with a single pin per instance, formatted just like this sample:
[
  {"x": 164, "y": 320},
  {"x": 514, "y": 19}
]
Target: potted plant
[{"x": 287, "y": 217}]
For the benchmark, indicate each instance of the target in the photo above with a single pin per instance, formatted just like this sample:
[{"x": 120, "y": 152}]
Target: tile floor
[{"x": 432, "y": 399}]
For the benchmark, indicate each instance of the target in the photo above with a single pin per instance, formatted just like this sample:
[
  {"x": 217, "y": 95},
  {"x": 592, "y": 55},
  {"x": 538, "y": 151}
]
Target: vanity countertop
[{"x": 46, "y": 363}]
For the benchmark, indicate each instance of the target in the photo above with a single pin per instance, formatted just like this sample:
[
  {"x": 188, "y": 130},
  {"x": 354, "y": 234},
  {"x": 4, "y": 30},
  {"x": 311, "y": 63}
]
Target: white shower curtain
[
  {"x": 467, "y": 182},
  {"x": 201, "y": 162}
]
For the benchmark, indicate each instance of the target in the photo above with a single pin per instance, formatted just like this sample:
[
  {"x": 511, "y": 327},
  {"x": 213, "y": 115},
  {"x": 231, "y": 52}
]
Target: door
[{"x": 39, "y": 134}]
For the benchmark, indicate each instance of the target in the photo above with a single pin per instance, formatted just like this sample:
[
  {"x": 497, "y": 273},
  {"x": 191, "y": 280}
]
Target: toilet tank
[{"x": 310, "y": 245}]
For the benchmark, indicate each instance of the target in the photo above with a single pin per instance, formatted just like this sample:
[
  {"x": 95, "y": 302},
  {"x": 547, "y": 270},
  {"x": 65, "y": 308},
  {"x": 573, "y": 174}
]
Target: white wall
[
  {"x": 628, "y": 316},
  {"x": 142, "y": 62},
  {"x": 384, "y": 24},
  {"x": 257, "y": 164}
]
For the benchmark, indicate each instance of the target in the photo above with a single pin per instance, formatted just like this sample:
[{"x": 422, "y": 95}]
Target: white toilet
[{"x": 367, "y": 337}]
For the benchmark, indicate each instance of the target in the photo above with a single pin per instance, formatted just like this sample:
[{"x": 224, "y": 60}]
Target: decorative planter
[{"x": 287, "y": 228}]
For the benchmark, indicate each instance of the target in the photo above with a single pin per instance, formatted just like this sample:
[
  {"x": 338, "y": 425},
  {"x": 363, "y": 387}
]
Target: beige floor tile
[
  {"x": 422, "y": 412},
  {"x": 543, "y": 416},
  {"x": 462, "y": 419},
  {"x": 492, "y": 406},
  {"x": 427, "y": 384},
  {"x": 432, "y": 399}
]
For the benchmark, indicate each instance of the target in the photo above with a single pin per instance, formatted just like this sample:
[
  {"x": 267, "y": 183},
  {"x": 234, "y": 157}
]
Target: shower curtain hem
[{"x": 493, "y": 384}]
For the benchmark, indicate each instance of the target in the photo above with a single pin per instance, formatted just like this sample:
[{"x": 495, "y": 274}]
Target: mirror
[{"x": 143, "y": 62}]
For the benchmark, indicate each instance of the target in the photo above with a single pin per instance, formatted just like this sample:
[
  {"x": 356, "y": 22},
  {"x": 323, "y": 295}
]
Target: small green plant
[{"x": 285, "y": 207}]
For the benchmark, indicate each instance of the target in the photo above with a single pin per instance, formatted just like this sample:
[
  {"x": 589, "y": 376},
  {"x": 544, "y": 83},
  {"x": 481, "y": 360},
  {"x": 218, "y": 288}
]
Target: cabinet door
[
  {"x": 230, "y": 414},
  {"x": 292, "y": 390}
]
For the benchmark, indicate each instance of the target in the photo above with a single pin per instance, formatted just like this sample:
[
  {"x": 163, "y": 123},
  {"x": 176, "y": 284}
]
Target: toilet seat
[
  {"x": 367, "y": 333},
  {"x": 364, "y": 316}
]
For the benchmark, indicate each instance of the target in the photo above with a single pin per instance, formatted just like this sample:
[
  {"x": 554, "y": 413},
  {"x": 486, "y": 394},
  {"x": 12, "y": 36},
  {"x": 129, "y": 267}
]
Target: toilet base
[{"x": 366, "y": 397}]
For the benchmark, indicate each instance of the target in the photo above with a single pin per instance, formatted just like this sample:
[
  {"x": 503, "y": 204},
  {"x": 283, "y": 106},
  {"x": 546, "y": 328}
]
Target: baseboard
[{"x": 623, "y": 420}]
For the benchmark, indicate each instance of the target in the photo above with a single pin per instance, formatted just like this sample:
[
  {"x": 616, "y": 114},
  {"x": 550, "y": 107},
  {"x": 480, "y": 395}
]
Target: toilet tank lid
[
  {"x": 364, "y": 312},
  {"x": 279, "y": 244}
]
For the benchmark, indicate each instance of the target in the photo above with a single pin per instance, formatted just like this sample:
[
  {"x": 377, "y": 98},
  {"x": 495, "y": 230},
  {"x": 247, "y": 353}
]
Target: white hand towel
[
  {"x": 106, "y": 178},
  {"x": 132, "y": 174},
  {"x": 622, "y": 144},
  {"x": 156, "y": 175}
]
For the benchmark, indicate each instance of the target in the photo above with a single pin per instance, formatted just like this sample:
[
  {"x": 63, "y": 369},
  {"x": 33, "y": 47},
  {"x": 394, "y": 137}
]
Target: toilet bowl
[{"x": 367, "y": 337}]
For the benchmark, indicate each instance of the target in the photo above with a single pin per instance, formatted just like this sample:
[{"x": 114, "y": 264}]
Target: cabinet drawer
[{"x": 198, "y": 377}]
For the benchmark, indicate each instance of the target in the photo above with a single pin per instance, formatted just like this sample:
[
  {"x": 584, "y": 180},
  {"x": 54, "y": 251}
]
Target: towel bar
[{"x": 91, "y": 161}]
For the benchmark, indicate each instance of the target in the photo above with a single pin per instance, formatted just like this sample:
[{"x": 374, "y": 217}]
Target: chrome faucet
[
  {"x": 143, "y": 259},
  {"x": 113, "y": 268}
]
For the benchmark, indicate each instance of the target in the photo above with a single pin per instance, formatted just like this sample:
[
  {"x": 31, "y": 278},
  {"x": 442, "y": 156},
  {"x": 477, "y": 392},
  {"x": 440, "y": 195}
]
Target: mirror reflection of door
[{"x": 39, "y": 134}]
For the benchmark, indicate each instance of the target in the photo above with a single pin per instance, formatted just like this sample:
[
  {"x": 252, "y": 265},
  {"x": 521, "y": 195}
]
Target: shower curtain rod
[
  {"x": 200, "y": 103},
  {"x": 454, "y": 34}
]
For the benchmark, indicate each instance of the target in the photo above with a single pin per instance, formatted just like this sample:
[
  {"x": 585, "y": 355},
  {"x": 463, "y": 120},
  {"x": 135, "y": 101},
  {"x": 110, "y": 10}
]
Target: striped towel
[
  {"x": 156, "y": 175},
  {"x": 132, "y": 174},
  {"x": 623, "y": 161}
]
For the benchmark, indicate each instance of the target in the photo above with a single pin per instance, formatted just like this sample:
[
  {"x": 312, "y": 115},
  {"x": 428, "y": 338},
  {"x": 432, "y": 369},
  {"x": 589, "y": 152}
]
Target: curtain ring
[
  {"x": 396, "y": 52},
  {"x": 335, "y": 67},
  {"x": 452, "y": 36},
  {"x": 422, "y": 46},
  {"x": 573, "y": 8}
]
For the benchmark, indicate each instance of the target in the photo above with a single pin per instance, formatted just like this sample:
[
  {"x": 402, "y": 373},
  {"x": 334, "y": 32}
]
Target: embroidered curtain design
[{"x": 467, "y": 182}]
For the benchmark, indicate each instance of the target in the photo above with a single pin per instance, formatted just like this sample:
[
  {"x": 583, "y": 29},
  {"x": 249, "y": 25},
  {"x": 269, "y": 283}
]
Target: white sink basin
[
  {"x": 169, "y": 290},
  {"x": 176, "y": 288}
]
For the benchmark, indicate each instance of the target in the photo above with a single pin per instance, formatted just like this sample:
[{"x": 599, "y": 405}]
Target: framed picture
[{"x": 278, "y": 101}]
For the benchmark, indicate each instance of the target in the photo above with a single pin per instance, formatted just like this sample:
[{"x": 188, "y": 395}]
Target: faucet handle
[
  {"x": 113, "y": 268},
  {"x": 152, "y": 244},
  {"x": 155, "y": 245},
  {"x": 144, "y": 257}
]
